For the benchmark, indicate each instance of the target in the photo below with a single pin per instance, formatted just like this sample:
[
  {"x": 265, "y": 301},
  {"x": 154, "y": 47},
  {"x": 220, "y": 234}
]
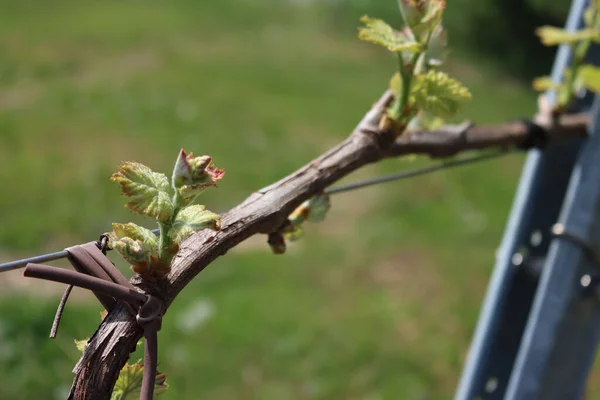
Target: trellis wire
[{"x": 12, "y": 265}]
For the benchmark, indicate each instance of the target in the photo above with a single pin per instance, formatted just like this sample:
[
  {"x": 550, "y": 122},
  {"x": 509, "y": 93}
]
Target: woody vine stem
[{"x": 407, "y": 119}]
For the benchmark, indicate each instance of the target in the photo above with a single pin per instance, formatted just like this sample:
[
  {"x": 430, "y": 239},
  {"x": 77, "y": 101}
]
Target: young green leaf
[
  {"x": 129, "y": 383},
  {"x": 543, "y": 83},
  {"x": 137, "y": 245},
  {"x": 191, "y": 219},
  {"x": 552, "y": 36},
  {"x": 192, "y": 175},
  {"x": 433, "y": 13},
  {"x": 589, "y": 77},
  {"x": 421, "y": 16},
  {"x": 378, "y": 32},
  {"x": 82, "y": 344},
  {"x": 439, "y": 94},
  {"x": 135, "y": 232},
  {"x": 135, "y": 252},
  {"x": 149, "y": 191}
]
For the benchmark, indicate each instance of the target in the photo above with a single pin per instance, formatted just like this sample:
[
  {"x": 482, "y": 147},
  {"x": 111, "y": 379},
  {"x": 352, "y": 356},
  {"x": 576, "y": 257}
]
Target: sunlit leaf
[
  {"x": 589, "y": 76},
  {"x": 135, "y": 232},
  {"x": 137, "y": 245},
  {"x": 544, "y": 83},
  {"x": 422, "y": 16},
  {"x": 136, "y": 252},
  {"x": 432, "y": 17},
  {"x": 439, "y": 94},
  {"x": 378, "y": 32},
  {"x": 191, "y": 219},
  {"x": 129, "y": 383},
  {"x": 82, "y": 344},
  {"x": 551, "y": 35},
  {"x": 149, "y": 191},
  {"x": 192, "y": 175}
]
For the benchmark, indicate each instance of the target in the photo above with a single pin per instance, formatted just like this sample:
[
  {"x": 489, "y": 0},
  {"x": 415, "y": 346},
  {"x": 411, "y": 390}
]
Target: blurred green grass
[{"x": 378, "y": 302}]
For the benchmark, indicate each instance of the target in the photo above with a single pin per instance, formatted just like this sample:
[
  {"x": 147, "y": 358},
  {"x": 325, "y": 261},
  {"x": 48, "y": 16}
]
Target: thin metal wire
[
  {"x": 415, "y": 172},
  {"x": 12, "y": 265}
]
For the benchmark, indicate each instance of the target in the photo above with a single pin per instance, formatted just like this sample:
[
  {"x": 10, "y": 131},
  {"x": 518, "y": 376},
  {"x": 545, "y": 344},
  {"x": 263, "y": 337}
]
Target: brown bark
[{"x": 267, "y": 209}]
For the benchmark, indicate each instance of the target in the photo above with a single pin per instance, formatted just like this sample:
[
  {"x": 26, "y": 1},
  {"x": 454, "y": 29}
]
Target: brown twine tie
[{"x": 98, "y": 274}]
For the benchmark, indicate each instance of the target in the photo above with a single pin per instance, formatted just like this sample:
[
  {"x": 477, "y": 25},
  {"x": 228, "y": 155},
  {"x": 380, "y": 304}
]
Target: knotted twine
[{"x": 98, "y": 274}]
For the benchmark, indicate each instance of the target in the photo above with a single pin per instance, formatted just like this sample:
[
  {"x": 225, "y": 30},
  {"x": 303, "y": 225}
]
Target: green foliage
[
  {"x": 129, "y": 383},
  {"x": 168, "y": 202},
  {"x": 417, "y": 88},
  {"x": 438, "y": 94},
  {"x": 580, "y": 75},
  {"x": 421, "y": 95},
  {"x": 378, "y": 32},
  {"x": 543, "y": 83},
  {"x": 81, "y": 344},
  {"x": 552, "y": 36},
  {"x": 149, "y": 191},
  {"x": 589, "y": 77},
  {"x": 192, "y": 175},
  {"x": 422, "y": 16},
  {"x": 328, "y": 287},
  {"x": 191, "y": 219}
]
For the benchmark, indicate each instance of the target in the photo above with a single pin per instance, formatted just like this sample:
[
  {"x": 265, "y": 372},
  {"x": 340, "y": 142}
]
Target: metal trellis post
[{"x": 521, "y": 345}]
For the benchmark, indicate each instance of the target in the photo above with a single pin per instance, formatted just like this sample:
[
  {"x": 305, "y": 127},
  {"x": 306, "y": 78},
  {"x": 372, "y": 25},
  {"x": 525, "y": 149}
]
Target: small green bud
[{"x": 313, "y": 210}]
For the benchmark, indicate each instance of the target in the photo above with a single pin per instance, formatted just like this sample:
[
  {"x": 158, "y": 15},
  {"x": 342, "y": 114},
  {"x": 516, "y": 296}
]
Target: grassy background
[{"x": 378, "y": 302}]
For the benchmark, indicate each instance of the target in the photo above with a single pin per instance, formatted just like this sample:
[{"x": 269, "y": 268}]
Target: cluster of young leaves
[
  {"x": 580, "y": 75},
  {"x": 169, "y": 203},
  {"x": 422, "y": 94},
  {"x": 313, "y": 210}
]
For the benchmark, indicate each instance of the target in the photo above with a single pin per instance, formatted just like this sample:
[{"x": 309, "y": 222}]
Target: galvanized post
[
  {"x": 525, "y": 243},
  {"x": 559, "y": 343}
]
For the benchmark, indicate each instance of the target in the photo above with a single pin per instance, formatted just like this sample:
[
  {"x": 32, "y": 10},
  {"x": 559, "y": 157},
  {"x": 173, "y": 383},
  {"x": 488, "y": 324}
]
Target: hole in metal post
[
  {"x": 491, "y": 385},
  {"x": 536, "y": 238}
]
